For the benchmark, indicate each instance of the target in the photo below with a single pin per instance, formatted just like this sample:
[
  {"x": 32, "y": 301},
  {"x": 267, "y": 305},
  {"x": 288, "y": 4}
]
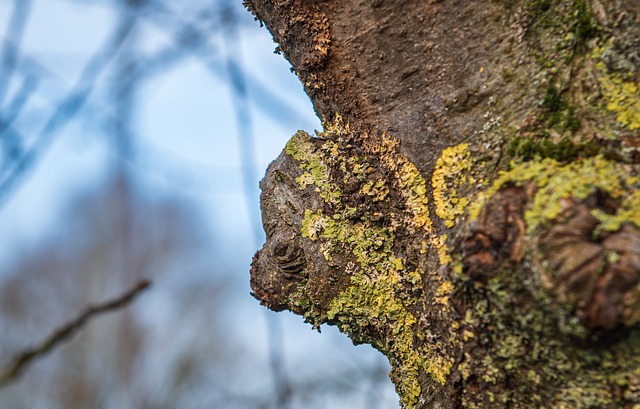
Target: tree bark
[{"x": 472, "y": 206}]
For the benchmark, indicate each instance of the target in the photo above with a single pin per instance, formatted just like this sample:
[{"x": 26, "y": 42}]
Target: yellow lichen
[
  {"x": 335, "y": 127},
  {"x": 414, "y": 189},
  {"x": 378, "y": 191},
  {"x": 444, "y": 292},
  {"x": 440, "y": 243},
  {"x": 629, "y": 212},
  {"x": 623, "y": 99},
  {"x": 375, "y": 296},
  {"x": 453, "y": 169},
  {"x": 557, "y": 182},
  {"x": 622, "y": 95}
]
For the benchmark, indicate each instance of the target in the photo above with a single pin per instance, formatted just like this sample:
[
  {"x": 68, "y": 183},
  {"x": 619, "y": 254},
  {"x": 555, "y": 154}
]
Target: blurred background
[{"x": 133, "y": 134}]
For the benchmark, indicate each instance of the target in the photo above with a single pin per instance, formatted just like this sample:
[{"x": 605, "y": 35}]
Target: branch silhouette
[
  {"x": 67, "y": 109},
  {"x": 22, "y": 360}
]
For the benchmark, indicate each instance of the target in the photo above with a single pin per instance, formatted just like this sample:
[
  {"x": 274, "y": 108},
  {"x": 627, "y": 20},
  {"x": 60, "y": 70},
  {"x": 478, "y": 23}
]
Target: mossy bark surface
[{"x": 472, "y": 205}]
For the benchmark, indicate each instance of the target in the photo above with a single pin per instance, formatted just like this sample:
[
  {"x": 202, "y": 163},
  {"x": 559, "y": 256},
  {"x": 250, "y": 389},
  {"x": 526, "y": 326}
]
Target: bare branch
[
  {"x": 15, "y": 106},
  {"x": 67, "y": 109},
  {"x": 66, "y": 332},
  {"x": 12, "y": 142},
  {"x": 12, "y": 40},
  {"x": 192, "y": 39}
]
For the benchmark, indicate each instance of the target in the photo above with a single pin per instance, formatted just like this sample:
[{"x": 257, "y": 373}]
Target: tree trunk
[{"x": 472, "y": 206}]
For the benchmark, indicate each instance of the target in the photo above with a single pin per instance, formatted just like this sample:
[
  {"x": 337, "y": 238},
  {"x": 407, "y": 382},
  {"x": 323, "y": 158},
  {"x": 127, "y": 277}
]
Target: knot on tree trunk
[
  {"x": 587, "y": 256},
  {"x": 496, "y": 235},
  {"x": 595, "y": 270},
  {"x": 350, "y": 242},
  {"x": 290, "y": 272}
]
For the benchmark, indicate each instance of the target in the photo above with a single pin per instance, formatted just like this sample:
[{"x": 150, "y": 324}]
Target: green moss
[
  {"x": 553, "y": 104},
  {"x": 563, "y": 24},
  {"x": 557, "y": 112},
  {"x": 585, "y": 25},
  {"x": 529, "y": 148},
  {"x": 540, "y": 6},
  {"x": 558, "y": 34}
]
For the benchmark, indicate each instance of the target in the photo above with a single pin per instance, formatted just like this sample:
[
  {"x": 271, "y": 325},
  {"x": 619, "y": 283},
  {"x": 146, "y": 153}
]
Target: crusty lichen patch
[
  {"x": 531, "y": 337},
  {"x": 525, "y": 351},
  {"x": 407, "y": 178},
  {"x": 629, "y": 212},
  {"x": 453, "y": 168},
  {"x": 620, "y": 90},
  {"x": 623, "y": 99},
  {"x": 316, "y": 172},
  {"x": 556, "y": 181},
  {"x": 386, "y": 294}
]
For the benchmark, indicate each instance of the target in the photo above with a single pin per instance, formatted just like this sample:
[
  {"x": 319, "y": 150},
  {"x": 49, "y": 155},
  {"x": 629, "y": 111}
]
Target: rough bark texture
[{"x": 472, "y": 206}]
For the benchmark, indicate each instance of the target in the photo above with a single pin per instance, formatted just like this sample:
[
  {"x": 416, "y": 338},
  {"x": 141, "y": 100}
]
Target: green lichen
[
  {"x": 316, "y": 172},
  {"x": 629, "y": 212},
  {"x": 623, "y": 98},
  {"x": 557, "y": 182},
  {"x": 525, "y": 351},
  {"x": 373, "y": 298},
  {"x": 382, "y": 288},
  {"x": 312, "y": 224},
  {"x": 620, "y": 91},
  {"x": 529, "y": 344}
]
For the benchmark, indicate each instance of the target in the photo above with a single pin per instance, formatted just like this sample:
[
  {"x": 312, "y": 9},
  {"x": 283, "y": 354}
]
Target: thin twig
[
  {"x": 12, "y": 43},
  {"x": 66, "y": 332},
  {"x": 27, "y": 87},
  {"x": 194, "y": 40},
  {"x": 66, "y": 110}
]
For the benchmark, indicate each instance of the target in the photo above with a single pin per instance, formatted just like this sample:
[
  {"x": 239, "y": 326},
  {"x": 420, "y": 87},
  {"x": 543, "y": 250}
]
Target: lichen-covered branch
[{"x": 471, "y": 207}]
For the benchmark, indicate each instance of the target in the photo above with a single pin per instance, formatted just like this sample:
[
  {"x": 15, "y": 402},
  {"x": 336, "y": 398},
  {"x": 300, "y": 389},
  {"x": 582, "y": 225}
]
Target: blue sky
[
  {"x": 186, "y": 132},
  {"x": 187, "y": 145}
]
